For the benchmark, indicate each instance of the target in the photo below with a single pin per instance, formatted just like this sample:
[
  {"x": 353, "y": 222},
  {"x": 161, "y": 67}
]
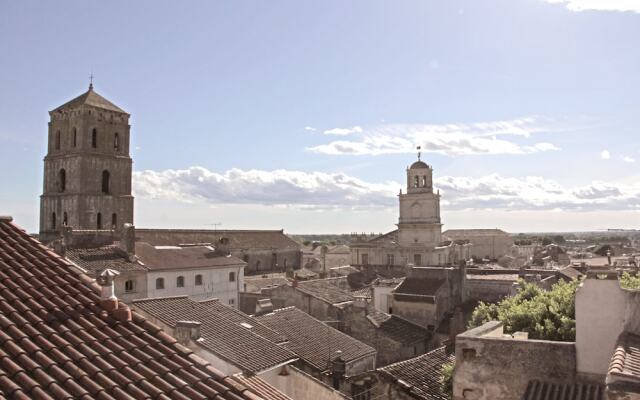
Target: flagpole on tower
[{"x": 418, "y": 148}]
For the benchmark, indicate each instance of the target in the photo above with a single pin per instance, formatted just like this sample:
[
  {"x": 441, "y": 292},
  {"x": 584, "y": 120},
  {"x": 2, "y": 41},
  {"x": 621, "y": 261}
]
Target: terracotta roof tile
[
  {"x": 227, "y": 332},
  {"x": 57, "y": 342},
  {"x": 538, "y": 390},
  {"x": 312, "y": 340},
  {"x": 421, "y": 376}
]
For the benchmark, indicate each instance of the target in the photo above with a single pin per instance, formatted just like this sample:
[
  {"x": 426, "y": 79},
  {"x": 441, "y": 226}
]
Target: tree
[
  {"x": 447, "y": 379},
  {"x": 546, "y": 241},
  {"x": 629, "y": 281},
  {"x": 546, "y": 315}
]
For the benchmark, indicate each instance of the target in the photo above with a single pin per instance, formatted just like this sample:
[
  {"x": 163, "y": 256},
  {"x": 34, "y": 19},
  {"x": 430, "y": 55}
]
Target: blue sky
[{"x": 303, "y": 115}]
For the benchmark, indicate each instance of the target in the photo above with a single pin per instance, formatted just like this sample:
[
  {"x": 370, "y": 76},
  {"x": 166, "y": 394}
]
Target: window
[
  {"x": 75, "y": 137},
  {"x": 160, "y": 283},
  {"x": 198, "y": 280},
  {"x": 57, "y": 140},
  {"x": 99, "y": 221},
  {"x": 116, "y": 142},
  {"x": 65, "y": 219},
  {"x": 128, "y": 286},
  {"x": 390, "y": 259},
  {"x": 232, "y": 276},
  {"x": 245, "y": 258},
  {"x": 62, "y": 180},
  {"x": 232, "y": 302},
  {"x": 94, "y": 138},
  {"x": 106, "y": 177},
  {"x": 416, "y": 181},
  {"x": 53, "y": 220},
  {"x": 180, "y": 281},
  {"x": 365, "y": 259},
  {"x": 114, "y": 221},
  {"x": 424, "y": 181}
]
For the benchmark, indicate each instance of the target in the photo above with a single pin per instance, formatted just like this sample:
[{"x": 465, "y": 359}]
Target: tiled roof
[
  {"x": 421, "y": 376},
  {"x": 91, "y": 98},
  {"x": 537, "y": 390},
  {"x": 419, "y": 286},
  {"x": 570, "y": 273},
  {"x": 96, "y": 260},
  {"x": 398, "y": 329},
  {"x": 474, "y": 232},
  {"x": 157, "y": 258},
  {"x": 57, "y": 342},
  {"x": 256, "y": 284},
  {"x": 626, "y": 357},
  {"x": 363, "y": 292},
  {"x": 238, "y": 239},
  {"x": 493, "y": 277},
  {"x": 312, "y": 340},
  {"x": 262, "y": 387},
  {"x": 326, "y": 289},
  {"x": 227, "y": 332}
]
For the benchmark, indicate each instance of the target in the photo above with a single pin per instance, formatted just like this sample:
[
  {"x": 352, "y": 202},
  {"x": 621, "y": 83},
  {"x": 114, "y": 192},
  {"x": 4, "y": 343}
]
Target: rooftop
[
  {"x": 312, "y": 340},
  {"x": 238, "y": 239},
  {"x": 398, "y": 329},
  {"x": 419, "y": 286},
  {"x": 97, "y": 259},
  {"x": 625, "y": 362},
  {"x": 93, "y": 99},
  {"x": 227, "y": 332},
  {"x": 56, "y": 340},
  {"x": 326, "y": 290},
  {"x": 421, "y": 376}
]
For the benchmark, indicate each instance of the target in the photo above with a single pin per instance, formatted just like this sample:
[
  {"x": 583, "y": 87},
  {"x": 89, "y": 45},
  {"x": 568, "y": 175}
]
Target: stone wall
[
  {"x": 490, "y": 366},
  {"x": 299, "y": 385}
]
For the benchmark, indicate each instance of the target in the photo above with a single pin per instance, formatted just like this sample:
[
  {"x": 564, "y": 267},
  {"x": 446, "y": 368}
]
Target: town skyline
[{"x": 523, "y": 135}]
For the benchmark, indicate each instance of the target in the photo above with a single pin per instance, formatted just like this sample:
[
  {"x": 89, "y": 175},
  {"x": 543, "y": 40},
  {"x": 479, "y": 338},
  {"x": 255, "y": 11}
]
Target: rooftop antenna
[
  {"x": 418, "y": 148},
  {"x": 91, "y": 81}
]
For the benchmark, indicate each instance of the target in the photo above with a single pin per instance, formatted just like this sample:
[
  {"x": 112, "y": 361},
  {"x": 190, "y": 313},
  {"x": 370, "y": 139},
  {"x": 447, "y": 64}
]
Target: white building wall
[
  {"x": 215, "y": 284},
  {"x": 300, "y": 386},
  {"x": 381, "y": 298}
]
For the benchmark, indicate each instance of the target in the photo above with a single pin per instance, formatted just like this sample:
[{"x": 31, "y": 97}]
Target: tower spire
[
  {"x": 418, "y": 148},
  {"x": 91, "y": 81}
]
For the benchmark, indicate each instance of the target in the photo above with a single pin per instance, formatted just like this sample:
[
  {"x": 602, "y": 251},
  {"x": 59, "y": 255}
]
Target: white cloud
[
  {"x": 448, "y": 139},
  {"x": 605, "y": 155},
  {"x": 628, "y": 159},
  {"x": 343, "y": 131},
  {"x": 314, "y": 190},
  {"x": 599, "y": 5},
  {"x": 310, "y": 128}
]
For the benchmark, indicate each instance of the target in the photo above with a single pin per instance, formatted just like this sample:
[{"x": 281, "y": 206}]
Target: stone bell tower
[
  {"x": 87, "y": 169},
  {"x": 419, "y": 224}
]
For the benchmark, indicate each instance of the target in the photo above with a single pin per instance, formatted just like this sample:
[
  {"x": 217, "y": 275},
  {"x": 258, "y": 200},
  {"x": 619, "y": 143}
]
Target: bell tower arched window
[
  {"x": 116, "y": 142},
  {"x": 106, "y": 177},
  {"x": 416, "y": 181},
  {"x": 65, "y": 219},
  {"x": 75, "y": 137},
  {"x": 62, "y": 180},
  {"x": 53, "y": 220},
  {"x": 94, "y": 138},
  {"x": 114, "y": 221},
  {"x": 99, "y": 221},
  {"x": 57, "y": 139}
]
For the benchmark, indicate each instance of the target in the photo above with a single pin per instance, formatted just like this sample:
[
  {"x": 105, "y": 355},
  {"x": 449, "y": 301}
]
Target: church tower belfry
[
  {"x": 419, "y": 223},
  {"x": 87, "y": 168}
]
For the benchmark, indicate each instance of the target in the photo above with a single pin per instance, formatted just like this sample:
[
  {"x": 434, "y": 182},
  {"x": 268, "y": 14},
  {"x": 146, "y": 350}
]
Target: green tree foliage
[
  {"x": 447, "y": 379},
  {"x": 629, "y": 281},
  {"x": 546, "y": 315},
  {"x": 546, "y": 241}
]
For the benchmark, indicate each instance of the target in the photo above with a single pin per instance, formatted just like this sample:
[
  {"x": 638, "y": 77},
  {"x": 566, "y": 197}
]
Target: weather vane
[
  {"x": 418, "y": 148},
  {"x": 91, "y": 81}
]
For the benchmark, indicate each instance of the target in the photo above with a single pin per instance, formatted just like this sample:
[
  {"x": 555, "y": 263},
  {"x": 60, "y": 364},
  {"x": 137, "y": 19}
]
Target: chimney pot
[
  {"x": 187, "y": 331},
  {"x": 108, "y": 299}
]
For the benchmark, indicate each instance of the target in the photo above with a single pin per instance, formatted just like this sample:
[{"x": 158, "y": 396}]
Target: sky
[{"x": 303, "y": 115}]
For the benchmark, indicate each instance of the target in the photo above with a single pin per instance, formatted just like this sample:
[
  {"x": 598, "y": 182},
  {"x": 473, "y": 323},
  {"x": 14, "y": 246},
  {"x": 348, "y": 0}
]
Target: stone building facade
[
  {"x": 418, "y": 239},
  {"x": 486, "y": 243},
  {"x": 87, "y": 168}
]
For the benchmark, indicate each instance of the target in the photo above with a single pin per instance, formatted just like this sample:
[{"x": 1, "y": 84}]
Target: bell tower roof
[
  {"x": 91, "y": 98},
  {"x": 419, "y": 165}
]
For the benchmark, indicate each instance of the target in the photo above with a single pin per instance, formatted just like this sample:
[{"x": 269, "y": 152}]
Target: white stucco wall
[
  {"x": 300, "y": 386},
  {"x": 215, "y": 284},
  {"x": 381, "y": 298}
]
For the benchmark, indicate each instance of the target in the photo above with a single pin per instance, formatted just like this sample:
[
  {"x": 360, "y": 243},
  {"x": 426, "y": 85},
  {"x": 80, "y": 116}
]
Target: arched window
[
  {"x": 128, "y": 286},
  {"x": 57, "y": 140},
  {"x": 116, "y": 142},
  {"x": 62, "y": 180},
  {"x": 114, "y": 221},
  {"x": 75, "y": 137},
  {"x": 416, "y": 181},
  {"x": 105, "y": 181},
  {"x": 99, "y": 221},
  {"x": 65, "y": 219},
  {"x": 424, "y": 181},
  {"x": 232, "y": 276},
  {"x": 94, "y": 138},
  {"x": 180, "y": 281},
  {"x": 198, "y": 280},
  {"x": 53, "y": 220},
  {"x": 258, "y": 265},
  {"x": 160, "y": 283}
]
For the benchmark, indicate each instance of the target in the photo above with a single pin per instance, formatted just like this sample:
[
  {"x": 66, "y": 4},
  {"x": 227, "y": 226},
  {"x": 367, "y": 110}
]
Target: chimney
[
  {"x": 128, "y": 240},
  {"x": 408, "y": 268},
  {"x": 187, "y": 331},
  {"x": 264, "y": 306},
  {"x": 123, "y": 314},
  {"x": 338, "y": 370},
  {"x": 108, "y": 299}
]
